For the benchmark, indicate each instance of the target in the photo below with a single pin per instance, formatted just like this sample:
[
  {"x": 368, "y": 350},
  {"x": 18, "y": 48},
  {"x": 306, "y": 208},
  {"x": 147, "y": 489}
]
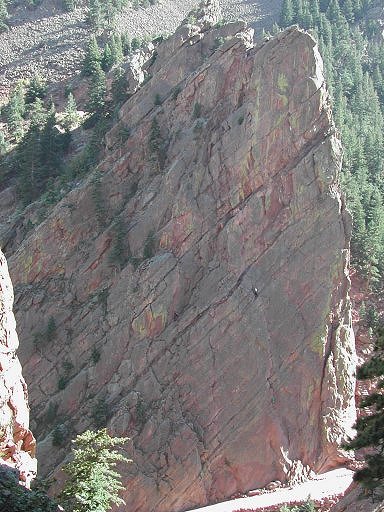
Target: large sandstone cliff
[
  {"x": 220, "y": 388},
  {"x": 17, "y": 444}
]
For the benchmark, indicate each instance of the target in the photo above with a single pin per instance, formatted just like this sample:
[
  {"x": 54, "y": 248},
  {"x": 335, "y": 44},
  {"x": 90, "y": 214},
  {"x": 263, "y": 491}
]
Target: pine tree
[
  {"x": 3, "y": 15},
  {"x": 97, "y": 90},
  {"x": 15, "y": 111},
  {"x": 107, "y": 59},
  {"x": 71, "y": 116},
  {"x": 117, "y": 49},
  {"x": 119, "y": 86},
  {"x": 36, "y": 88},
  {"x": 95, "y": 16},
  {"x": 93, "y": 485},
  {"x": 3, "y": 144},
  {"x": 92, "y": 57},
  {"x": 333, "y": 11},
  {"x": 286, "y": 17},
  {"x": 370, "y": 426}
]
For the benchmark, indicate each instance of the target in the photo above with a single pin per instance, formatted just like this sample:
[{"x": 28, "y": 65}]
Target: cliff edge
[
  {"x": 198, "y": 282},
  {"x": 17, "y": 444}
]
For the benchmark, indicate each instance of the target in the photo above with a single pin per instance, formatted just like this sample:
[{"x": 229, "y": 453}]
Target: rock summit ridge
[{"x": 220, "y": 340}]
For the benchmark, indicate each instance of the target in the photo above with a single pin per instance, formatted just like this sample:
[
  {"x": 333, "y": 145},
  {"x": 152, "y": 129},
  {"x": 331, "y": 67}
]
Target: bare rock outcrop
[
  {"x": 17, "y": 444},
  {"x": 199, "y": 284}
]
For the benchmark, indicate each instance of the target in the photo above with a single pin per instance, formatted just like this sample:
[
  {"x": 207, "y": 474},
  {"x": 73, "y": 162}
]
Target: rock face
[
  {"x": 17, "y": 444},
  {"x": 226, "y": 183}
]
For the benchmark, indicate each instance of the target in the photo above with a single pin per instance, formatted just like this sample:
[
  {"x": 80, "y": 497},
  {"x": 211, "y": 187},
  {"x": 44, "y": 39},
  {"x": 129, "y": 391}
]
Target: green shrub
[
  {"x": 149, "y": 246},
  {"x": 158, "y": 100},
  {"x": 51, "y": 414},
  {"x": 176, "y": 92},
  {"x": 59, "y": 435},
  {"x": 196, "y": 110},
  {"x": 95, "y": 355},
  {"x": 100, "y": 413}
]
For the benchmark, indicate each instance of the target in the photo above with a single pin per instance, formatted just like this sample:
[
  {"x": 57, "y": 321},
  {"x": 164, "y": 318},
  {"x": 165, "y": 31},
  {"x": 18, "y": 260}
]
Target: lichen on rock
[{"x": 220, "y": 389}]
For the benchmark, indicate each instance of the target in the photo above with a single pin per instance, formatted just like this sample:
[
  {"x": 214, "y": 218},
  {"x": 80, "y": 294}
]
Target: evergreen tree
[
  {"x": 370, "y": 426},
  {"x": 92, "y": 57},
  {"x": 97, "y": 90},
  {"x": 95, "y": 16},
  {"x": 36, "y": 88},
  {"x": 286, "y": 17},
  {"x": 15, "y": 111},
  {"x": 119, "y": 86},
  {"x": 125, "y": 44},
  {"x": 107, "y": 59},
  {"x": 16, "y": 498},
  {"x": 117, "y": 49},
  {"x": 3, "y": 144},
  {"x": 333, "y": 11},
  {"x": 93, "y": 485},
  {"x": 71, "y": 116},
  {"x": 3, "y": 15}
]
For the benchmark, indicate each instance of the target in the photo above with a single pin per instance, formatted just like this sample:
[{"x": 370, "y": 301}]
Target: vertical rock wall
[
  {"x": 17, "y": 444},
  {"x": 220, "y": 388}
]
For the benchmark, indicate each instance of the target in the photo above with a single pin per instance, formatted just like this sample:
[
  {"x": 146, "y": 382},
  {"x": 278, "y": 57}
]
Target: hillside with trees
[{"x": 352, "y": 46}]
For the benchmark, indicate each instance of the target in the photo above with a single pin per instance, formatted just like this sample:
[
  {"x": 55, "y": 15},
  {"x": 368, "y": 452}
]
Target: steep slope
[
  {"x": 50, "y": 42},
  {"x": 149, "y": 271},
  {"x": 17, "y": 444}
]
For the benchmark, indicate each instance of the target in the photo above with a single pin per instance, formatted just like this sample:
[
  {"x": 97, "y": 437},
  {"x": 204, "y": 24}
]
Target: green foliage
[
  {"x": 59, "y": 435},
  {"x": 107, "y": 59},
  {"x": 51, "y": 414},
  {"x": 4, "y": 146},
  {"x": 97, "y": 89},
  {"x": 93, "y": 484},
  {"x": 15, "y": 111},
  {"x": 92, "y": 59},
  {"x": 102, "y": 13},
  {"x": 370, "y": 426},
  {"x": 196, "y": 110},
  {"x": 68, "y": 5},
  {"x": 3, "y": 15},
  {"x": 149, "y": 246},
  {"x": 176, "y": 92},
  {"x": 36, "y": 88},
  {"x": 354, "y": 65},
  {"x": 118, "y": 253},
  {"x": 16, "y": 498},
  {"x": 95, "y": 355},
  {"x": 65, "y": 376},
  {"x": 98, "y": 200},
  {"x": 41, "y": 338},
  {"x": 135, "y": 44},
  {"x": 71, "y": 117},
  {"x": 37, "y": 158},
  {"x": 102, "y": 299},
  {"x": 308, "y": 506},
  {"x": 158, "y": 100},
  {"x": 141, "y": 412},
  {"x": 157, "y": 145},
  {"x": 51, "y": 330},
  {"x": 119, "y": 86},
  {"x": 219, "y": 41},
  {"x": 100, "y": 413}
]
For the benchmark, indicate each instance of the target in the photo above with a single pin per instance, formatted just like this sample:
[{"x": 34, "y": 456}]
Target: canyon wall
[
  {"x": 17, "y": 444},
  {"x": 193, "y": 293}
]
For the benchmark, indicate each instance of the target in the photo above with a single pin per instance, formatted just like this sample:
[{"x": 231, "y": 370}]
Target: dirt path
[{"x": 332, "y": 483}]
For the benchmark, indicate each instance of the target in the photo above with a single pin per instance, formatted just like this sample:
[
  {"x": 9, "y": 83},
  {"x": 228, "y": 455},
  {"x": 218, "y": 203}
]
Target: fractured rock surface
[
  {"x": 17, "y": 444},
  {"x": 220, "y": 387}
]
